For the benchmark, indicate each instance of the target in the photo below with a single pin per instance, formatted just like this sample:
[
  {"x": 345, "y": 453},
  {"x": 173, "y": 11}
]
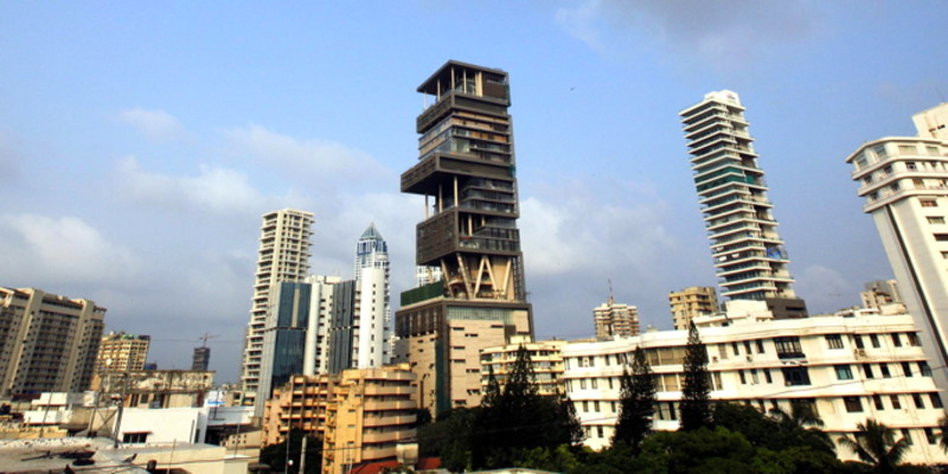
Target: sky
[{"x": 140, "y": 143}]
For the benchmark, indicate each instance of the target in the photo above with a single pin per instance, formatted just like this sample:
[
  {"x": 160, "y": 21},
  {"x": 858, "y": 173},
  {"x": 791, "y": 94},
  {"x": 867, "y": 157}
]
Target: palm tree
[
  {"x": 803, "y": 424},
  {"x": 875, "y": 445}
]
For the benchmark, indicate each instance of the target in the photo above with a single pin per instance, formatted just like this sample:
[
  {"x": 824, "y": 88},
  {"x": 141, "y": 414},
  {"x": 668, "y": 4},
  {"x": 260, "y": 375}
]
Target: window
[
  {"x": 599, "y": 431},
  {"x": 853, "y": 405},
  {"x": 737, "y": 350},
  {"x": 754, "y": 377},
  {"x": 910, "y": 165},
  {"x": 935, "y": 219},
  {"x": 767, "y": 376},
  {"x": 139, "y": 437},
  {"x": 930, "y": 436},
  {"x": 834, "y": 341},
  {"x": 884, "y": 368},
  {"x": 796, "y": 376},
  {"x": 896, "y": 340},
  {"x": 747, "y": 347},
  {"x": 913, "y": 338},
  {"x": 896, "y": 404},
  {"x": 907, "y": 150},
  {"x": 907, "y": 369},
  {"x": 585, "y": 406},
  {"x": 582, "y": 384},
  {"x": 843, "y": 372},
  {"x": 936, "y": 400},
  {"x": 877, "y": 401},
  {"x": 928, "y": 202},
  {"x": 858, "y": 342},
  {"x": 760, "y": 346},
  {"x": 596, "y": 406},
  {"x": 924, "y": 369},
  {"x": 741, "y": 374},
  {"x": 906, "y": 434},
  {"x": 788, "y": 347},
  {"x": 874, "y": 340},
  {"x": 593, "y": 383},
  {"x": 867, "y": 370},
  {"x": 919, "y": 403}
]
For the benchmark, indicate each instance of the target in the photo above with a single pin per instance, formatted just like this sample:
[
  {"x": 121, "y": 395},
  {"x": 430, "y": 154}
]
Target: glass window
[
  {"x": 853, "y": 405},
  {"x": 930, "y": 436},
  {"x": 928, "y": 202},
  {"x": 935, "y": 399},
  {"x": 593, "y": 383},
  {"x": 896, "y": 404},
  {"x": 912, "y": 339},
  {"x": 858, "y": 342},
  {"x": 877, "y": 401},
  {"x": 843, "y": 372},
  {"x": 907, "y": 369},
  {"x": 767, "y": 376},
  {"x": 896, "y": 340},
  {"x": 867, "y": 370},
  {"x": 906, "y": 434},
  {"x": 935, "y": 219},
  {"x": 834, "y": 341},
  {"x": 796, "y": 376},
  {"x": 884, "y": 368},
  {"x": 760, "y": 346},
  {"x": 740, "y": 373},
  {"x": 924, "y": 369},
  {"x": 788, "y": 347},
  {"x": 919, "y": 403},
  {"x": 874, "y": 340}
]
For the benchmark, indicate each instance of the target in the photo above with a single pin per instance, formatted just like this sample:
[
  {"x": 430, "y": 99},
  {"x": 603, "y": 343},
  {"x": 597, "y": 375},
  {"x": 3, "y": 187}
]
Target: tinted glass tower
[{"x": 466, "y": 172}]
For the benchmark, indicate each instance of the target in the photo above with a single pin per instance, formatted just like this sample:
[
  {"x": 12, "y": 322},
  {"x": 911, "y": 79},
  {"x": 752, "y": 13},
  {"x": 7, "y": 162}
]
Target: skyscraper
[
  {"x": 466, "y": 173},
  {"x": 360, "y": 328},
  {"x": 905, "y": 183},
  {"x": 48, "y": 343},
  {"x": 750, "y": 257},
  {"x": 283, "y": 257},
  {"x": 615, "y": 319},
  {"x": 201, "y": 358}
]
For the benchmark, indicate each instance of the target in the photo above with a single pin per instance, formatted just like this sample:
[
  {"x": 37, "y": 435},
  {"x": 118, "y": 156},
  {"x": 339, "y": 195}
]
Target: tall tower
[
  {"x": 283, "y": 257},
  {"x": 905, "y": 183},
  {"x": 466, "y": 173},
  {"x": 750, "y": 257}
]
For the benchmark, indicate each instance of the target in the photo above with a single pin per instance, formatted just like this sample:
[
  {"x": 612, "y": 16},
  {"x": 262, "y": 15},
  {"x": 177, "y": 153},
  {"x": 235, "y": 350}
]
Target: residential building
[
  {"x": 201, "y": 358},
  {"x": 690, "y": 303},
  {"x": 615, "y": 319},
  {"x": 369, "y": 415},
  {"x": 48, "y": 343},
  {"x": 880, "y": 294},
  {"x": 905, "y": 183},
  {"x": 156, "y": 388},
  {"x": 120, "y": 352},
  {"x": 845, "y": 369},
  {"x": 748, "y": 253},
  {"x": 546, "y": 359},
  {"x": 301, "y": 403},
  {"x": 466, "y": 172},
  {"x": 283, "y": 257},
  {"x": 426, "y": 275}
]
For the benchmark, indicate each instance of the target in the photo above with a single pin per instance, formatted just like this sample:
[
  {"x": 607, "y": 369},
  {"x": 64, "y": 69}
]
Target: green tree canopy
[
  {"x": 695, "y": 407},
  {"x": 637, "y": 402}
]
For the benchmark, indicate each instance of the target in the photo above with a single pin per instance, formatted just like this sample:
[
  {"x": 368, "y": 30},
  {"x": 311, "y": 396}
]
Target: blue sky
[{"x": 140, "y": 143}]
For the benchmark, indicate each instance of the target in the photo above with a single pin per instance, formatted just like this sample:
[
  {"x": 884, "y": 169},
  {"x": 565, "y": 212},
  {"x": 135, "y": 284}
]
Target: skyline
[{"x": 141, "y": 144}]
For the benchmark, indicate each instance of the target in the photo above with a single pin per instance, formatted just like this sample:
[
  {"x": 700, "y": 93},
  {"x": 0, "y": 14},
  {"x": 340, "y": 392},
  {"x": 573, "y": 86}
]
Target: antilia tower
[
  {"x": 750, "y": 257},
  {"x": 466, "y": 172}
]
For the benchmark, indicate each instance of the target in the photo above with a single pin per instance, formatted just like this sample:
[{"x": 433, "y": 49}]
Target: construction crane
[{"x": 205, "y": 337}]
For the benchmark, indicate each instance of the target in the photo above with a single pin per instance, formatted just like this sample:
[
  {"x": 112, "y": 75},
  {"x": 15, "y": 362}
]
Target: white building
[
  {"x": 750, "y": 257},
  {"x": 847, "y": 368},
  {"x": 283, "y": 257},
  {"x": 905, "y": 183}
]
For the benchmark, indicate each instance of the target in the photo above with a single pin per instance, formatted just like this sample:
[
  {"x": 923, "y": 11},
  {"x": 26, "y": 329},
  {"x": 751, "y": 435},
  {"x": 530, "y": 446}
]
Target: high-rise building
[
  {"x": 48, "y": 343},
  {"x": 201, "y": 358},
  {"x": 880, "y": 293},
  {"x": 905, "y": 183},
  {"x": 283, "y": 256},
  {"x": 690, "y": 302},
  {"x": 750, "y": 257},
  {"x": 120, "y": 352},
  {"x": 615, "y": 319},
  {"x": 466, "y": 173}
]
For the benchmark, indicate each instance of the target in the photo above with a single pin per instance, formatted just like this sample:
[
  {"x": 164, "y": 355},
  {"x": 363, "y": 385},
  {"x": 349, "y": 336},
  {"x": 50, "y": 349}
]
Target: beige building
[
  {"x": 156, "y": 388},
  {"x": 690, "y": 302},
  {"x": 301, "y": 403},
  {"x": 882, "y": 294},
  {"x": 283, "y": 257},
  {"x": 48, "y": 343},
  {"x": 545, "y": 357},
  {"x": 370, "y": 417},
  {"x": 120, "y": 352},
  {"x": 615, "y": 319}
]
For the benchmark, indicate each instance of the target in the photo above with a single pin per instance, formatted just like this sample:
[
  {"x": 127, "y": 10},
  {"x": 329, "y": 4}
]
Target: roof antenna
[{"x": 612, "y": 299}]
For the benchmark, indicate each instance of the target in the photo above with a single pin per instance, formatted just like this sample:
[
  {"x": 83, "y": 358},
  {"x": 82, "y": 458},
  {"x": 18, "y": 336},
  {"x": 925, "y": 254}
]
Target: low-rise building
[
  {"x": 545, "y": 357},
  {"x": 156, "y": 388},
  {"x": 847, "y": 369},
  {"x": 301, "y": 403}
]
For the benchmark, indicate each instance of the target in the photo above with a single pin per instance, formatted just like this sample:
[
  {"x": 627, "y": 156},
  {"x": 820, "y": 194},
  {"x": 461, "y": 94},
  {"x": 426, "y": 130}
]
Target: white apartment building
[
  {"x": 615, "y": 319},
  {"x": 847, "y": 368},
  {"x": 546, "y": 358},
  {"x": 905, "y": 183},
  {"x": 749, "y": 255},
  {"x": 283, "y": 257}
]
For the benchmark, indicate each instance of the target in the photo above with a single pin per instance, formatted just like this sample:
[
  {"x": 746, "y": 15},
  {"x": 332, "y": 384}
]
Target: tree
[
  {"x": 943, "y": 427},
  {"x": 695, "y": 407},
  {"x": 875, "y": 445},
  {"x": 637, "y": 402},
  {"x": 275, "y": 455}
]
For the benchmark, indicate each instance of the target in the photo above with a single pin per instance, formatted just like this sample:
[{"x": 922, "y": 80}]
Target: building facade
[
  {"x": 466, "y": 173},
  {"x": 120, "y": 352},
  {"x": 283, "y": 256},
  {"x": 748, "y": 253},
  {"x": 881, "y": 293},
  {"x": 359, "y": 336},
  {"x": 201, "y": 358},
  {"x": 615, "y": 319},
  {"x": 690, "y": 303},
  {"x": 301, "y": 403},
  {"x": 156, "y": 388},
  {"x": 905, "y": 183},
  {"x": 369, "y": 414},
  {"x": 48, "y": 343},
  {"x": 846, "y": 369},
  {"x": 546, "y": 358}
]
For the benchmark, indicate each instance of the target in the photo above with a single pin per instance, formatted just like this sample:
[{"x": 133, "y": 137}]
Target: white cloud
[
  {"x": 60, "y": 250},
  {"x": 215, "y": 189},
  {"x": 724, "y": 34},
  {"x": 323, "y": 161},
  {"x": 155, "y": 124}
]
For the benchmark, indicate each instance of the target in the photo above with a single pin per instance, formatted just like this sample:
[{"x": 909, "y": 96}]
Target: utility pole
[
  {"x": 118, "y": 420},
  {"x": 303, "y": 455}
]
